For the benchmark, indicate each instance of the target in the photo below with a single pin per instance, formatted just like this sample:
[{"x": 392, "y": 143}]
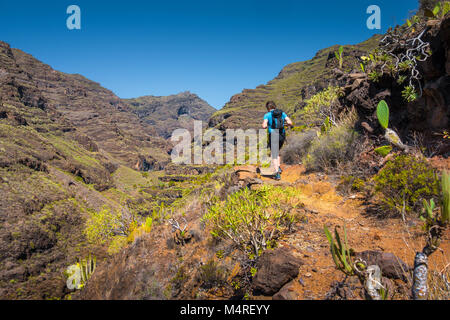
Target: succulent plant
[
  {"x": 383, "y": 114},
  {"x": 340, "y": 251},
  {"x": 390, "y": 135}
]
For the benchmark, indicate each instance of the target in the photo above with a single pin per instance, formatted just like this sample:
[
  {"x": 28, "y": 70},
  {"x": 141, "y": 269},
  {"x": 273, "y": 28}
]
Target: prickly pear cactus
[{"x": 383, "y": 114}]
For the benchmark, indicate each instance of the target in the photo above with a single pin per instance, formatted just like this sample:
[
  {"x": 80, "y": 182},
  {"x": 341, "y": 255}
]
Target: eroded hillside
[{"x": 75, "y": 162}]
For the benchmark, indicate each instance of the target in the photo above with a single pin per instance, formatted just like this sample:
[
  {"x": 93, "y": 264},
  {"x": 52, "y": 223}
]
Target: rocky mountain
[
  {"x": 88, "y": 109},
  {"x": 165, "y": 114}
]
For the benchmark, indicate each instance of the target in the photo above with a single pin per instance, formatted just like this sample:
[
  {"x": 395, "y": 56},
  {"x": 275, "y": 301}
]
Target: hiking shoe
[
  {"x": 278, "y": 176},
  {"x": 279, "y": 170}
]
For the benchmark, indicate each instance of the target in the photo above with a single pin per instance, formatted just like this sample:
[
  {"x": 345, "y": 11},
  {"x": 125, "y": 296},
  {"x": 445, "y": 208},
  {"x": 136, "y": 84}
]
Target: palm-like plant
[{"x": 339, "y": 56}]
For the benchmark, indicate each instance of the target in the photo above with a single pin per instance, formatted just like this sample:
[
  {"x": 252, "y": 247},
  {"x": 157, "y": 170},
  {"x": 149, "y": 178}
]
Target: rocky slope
[
  {"x": 83, "y": 104},
  {"x": 418, "y": 122},
  {"x": 165, "y": 114}
]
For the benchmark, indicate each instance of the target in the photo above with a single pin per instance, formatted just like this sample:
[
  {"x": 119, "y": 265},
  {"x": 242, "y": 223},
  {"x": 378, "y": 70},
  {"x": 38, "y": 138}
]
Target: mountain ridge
[{"x": 168, "y": 113}]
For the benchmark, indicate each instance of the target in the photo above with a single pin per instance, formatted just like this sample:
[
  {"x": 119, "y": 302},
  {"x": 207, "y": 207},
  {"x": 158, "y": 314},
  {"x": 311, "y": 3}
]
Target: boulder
[
  {"x": 275, "y": 269},
  {"x": 286, "y": 293},
  {"x": 391, "y": 266}
]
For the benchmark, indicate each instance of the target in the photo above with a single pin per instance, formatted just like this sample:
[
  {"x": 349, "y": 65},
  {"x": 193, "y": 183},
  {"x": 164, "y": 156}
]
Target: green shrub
[
  {"x": 297, "y": 146},
  {"x": 317, "y": 106},
  {"x": 102, "y": 226},
  {"x": 404, "y": 182},
  {"x": 180, "y": 278},
  {"x": 428, "y": 4},
  {"x": 251, "y": 219}
]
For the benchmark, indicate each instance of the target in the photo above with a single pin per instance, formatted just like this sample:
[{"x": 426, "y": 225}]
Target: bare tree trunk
[{"x": 420, "y": 286}]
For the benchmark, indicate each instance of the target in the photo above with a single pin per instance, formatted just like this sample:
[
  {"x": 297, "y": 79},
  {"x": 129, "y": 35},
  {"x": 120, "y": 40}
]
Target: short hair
[{"x": 270, "y": 105}]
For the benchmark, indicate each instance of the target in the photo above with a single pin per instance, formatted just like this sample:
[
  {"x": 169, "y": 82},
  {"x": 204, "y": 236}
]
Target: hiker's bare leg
[{"x": 275, "y": 151}]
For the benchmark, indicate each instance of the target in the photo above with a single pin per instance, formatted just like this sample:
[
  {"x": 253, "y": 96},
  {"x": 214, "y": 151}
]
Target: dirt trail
[{"x": 364, "y": 233}]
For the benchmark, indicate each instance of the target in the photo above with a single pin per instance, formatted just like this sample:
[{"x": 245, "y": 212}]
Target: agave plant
[
  {"x": 445, "y": 204},
  {"x": 326, "y": 127},
  {"x": 428, "y": 209},
  {"x": 342, "y": 255},
  {"x": 384, "y": 150},
  {"x": 428, "y": 214}
]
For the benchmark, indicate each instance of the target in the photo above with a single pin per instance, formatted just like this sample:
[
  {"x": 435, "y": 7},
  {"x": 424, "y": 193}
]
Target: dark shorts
[{"x": 282, "y": 139}]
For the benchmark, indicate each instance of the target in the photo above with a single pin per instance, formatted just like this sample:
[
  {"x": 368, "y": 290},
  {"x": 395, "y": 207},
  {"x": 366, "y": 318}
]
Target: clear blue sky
[{"x": 214, "y": 48}]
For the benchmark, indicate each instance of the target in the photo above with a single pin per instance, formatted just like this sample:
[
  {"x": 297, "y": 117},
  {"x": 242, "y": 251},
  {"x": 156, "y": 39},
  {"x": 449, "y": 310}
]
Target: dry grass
[
  {"x": 439, "y": 284},
  {"x": 298, "y": 146}
]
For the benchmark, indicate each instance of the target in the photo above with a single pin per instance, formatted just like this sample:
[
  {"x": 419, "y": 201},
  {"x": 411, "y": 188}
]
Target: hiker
[{"x": 274, "y": 121}]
